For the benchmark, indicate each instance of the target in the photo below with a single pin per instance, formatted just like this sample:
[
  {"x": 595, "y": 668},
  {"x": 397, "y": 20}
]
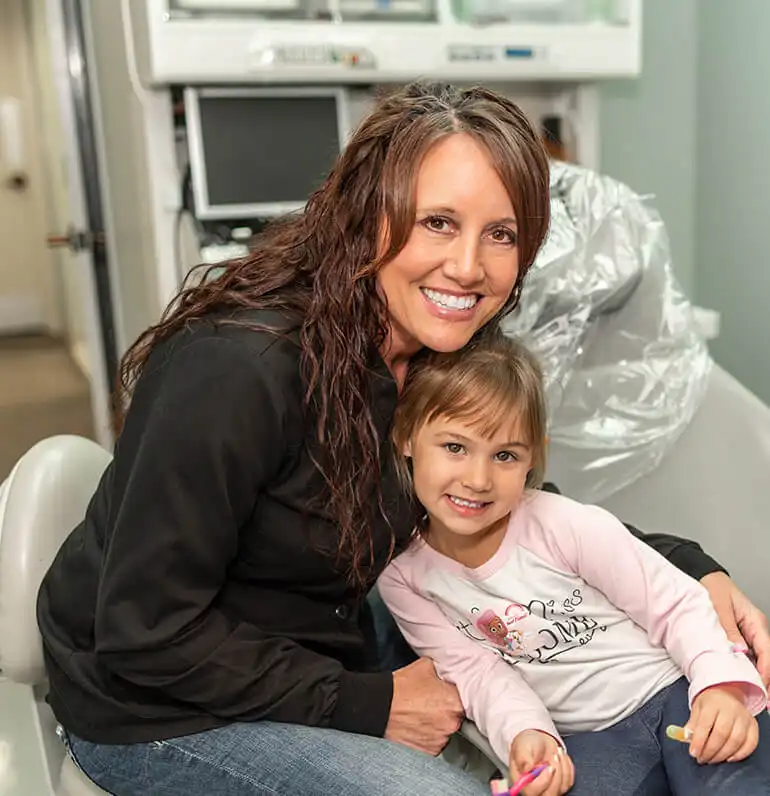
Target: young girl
[{"x": 570, "y": 642}]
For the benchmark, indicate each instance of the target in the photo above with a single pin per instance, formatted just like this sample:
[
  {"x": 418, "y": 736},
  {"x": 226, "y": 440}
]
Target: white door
[
  {"x": 58, "y": 64},
  {"x": 29, "y": 295}
]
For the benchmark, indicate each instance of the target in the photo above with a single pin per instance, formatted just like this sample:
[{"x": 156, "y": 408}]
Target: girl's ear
[{"x": 407, "y": 451}]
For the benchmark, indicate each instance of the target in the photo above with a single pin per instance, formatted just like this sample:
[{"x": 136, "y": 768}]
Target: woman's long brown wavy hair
[{"x": 321, "y": 266}]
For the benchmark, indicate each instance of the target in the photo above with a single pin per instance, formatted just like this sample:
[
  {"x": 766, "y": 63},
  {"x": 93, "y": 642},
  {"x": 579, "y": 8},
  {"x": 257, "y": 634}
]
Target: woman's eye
[
  {"x": 437, "y": 223},
  {"x": 503, "y": 235},
  {"x": 454, "y": 447}
]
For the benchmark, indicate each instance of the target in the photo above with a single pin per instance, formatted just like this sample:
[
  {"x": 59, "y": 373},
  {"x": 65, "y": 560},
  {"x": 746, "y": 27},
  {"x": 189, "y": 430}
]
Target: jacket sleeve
[
  {"x": 684, "y": 554},
  {"x": 205, "y": 432}
]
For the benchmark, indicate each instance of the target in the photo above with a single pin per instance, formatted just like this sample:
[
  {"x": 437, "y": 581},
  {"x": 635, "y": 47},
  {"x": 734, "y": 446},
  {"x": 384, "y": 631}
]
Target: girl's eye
[
  {"x": 454, "y": 447},
  {"x": 503, "y": 235},
  {"x": 506, "y": 456}
]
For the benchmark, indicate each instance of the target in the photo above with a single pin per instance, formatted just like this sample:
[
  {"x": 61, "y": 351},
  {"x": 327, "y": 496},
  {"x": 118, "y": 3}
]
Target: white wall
[
  {"x": 29, "y": 294},
  {"x": 732, "y": 240},
  {"x": 649, "y": 125},
  {"x": 694, "y": 131}
]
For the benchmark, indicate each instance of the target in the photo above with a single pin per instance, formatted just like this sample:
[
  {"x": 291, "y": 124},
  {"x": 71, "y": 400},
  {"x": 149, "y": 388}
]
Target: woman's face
[{"x": 460, "y": 263}]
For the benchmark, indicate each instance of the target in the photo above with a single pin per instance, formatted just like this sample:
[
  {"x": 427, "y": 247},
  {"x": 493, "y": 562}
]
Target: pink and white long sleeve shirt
[{"x": 571, "y": 626}]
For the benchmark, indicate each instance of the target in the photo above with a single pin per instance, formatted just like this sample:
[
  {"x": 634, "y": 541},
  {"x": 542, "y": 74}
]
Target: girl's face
[
  {"x": 461, "y": 261},
  {"x": 466, "y": 482}
]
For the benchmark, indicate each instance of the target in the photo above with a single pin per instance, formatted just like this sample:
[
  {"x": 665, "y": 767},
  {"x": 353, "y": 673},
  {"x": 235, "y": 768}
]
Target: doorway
[{"x": 56, "y": 355}]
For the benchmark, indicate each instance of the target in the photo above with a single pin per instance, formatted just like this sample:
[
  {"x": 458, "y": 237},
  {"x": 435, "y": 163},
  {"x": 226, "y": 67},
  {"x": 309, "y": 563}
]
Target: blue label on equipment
[{"x": 519, "y": 52}]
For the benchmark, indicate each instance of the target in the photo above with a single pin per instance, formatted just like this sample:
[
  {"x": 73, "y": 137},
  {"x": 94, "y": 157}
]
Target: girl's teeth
[
  {"x": 468, "y": 504},
  {"x": 450, "y": 302}
]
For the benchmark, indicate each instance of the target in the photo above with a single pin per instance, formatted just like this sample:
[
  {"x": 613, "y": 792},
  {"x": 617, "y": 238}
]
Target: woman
[{"x": 206, "y": 628}]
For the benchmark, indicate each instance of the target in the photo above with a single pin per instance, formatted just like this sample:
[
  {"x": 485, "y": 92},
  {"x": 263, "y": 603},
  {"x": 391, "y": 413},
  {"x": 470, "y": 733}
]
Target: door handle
[{"x": 76, "y": 240}]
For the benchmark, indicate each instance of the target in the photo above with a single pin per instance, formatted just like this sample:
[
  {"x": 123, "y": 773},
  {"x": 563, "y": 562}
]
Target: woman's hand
[
  {"x": 425, "y": 710},
  {"x": 722, "y": 727},
  {"x": 743, "y": 622},
  {"x": 533, "y": 748}
]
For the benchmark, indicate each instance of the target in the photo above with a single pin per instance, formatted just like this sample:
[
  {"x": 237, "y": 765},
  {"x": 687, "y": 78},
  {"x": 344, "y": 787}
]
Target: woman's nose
[{"x": 464, "y": 265}]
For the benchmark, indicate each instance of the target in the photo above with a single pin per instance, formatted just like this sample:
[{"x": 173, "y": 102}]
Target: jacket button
[{"x": 341, "y": 612}]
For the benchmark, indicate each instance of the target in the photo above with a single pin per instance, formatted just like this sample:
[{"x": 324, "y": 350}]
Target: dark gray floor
[{"x": 42, "y": 392}]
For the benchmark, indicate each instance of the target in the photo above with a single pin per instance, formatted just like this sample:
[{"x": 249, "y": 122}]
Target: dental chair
[
  {"x": 714, "y": 486},
  {"x": 41, "y": 501}
]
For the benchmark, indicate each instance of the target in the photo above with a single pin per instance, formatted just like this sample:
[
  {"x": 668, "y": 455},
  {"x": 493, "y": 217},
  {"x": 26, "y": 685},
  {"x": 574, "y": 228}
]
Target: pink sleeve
[
  {"x": 675, "y": 610},
  {"x": 494, "y": 694}
]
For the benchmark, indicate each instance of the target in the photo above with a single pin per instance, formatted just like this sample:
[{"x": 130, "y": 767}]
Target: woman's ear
[{"x": 407, "y": 449}]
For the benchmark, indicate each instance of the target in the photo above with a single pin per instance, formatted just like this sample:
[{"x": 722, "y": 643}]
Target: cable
[{"x": 185, "y": 208}]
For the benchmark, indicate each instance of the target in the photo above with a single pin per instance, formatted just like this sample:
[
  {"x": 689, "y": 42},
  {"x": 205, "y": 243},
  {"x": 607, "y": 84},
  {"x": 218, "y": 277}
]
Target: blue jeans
[
  {"x": 635, "y": 758},
  {"x": 261, "y": 758}
]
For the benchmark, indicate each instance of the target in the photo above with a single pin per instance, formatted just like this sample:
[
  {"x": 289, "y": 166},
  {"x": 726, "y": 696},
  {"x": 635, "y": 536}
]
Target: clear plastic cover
[{"x": 626, "y": 367}]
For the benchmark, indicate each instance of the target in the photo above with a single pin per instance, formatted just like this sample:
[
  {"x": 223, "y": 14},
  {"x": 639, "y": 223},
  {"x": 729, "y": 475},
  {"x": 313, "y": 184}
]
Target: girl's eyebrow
[{"x": 461, "y": 438}]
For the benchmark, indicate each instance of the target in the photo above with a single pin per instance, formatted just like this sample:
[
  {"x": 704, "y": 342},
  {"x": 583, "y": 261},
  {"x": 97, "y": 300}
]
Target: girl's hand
[
  {"x": 532, "y": 748},
  {"x": 722, "y": 727}
]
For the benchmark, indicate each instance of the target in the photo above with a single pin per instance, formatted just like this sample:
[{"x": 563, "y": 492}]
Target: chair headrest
[
  {"x": 42, "y": 500},
  {"x": 624, "y": 361}
]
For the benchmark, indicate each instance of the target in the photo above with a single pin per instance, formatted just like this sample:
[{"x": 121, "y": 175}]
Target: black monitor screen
[{"x": 266, "y": 149}]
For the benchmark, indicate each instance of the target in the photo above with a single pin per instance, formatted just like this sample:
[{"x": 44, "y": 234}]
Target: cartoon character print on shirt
[
  {"x": 497, "y": 631},
  {"x": 538, "y": 632}
]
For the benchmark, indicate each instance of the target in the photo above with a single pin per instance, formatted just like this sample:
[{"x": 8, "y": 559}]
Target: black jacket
[{"x": 201, "y": 588}]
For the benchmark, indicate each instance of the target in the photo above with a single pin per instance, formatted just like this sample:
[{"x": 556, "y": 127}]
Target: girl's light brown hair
[
  {"x": 487, "y": 384},
  {"x": 320, "y": 268}
]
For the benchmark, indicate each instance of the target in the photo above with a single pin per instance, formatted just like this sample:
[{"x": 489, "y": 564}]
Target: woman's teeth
[
  {"x": 449, "y": 301},
  {"x": 467, "y": 504}
]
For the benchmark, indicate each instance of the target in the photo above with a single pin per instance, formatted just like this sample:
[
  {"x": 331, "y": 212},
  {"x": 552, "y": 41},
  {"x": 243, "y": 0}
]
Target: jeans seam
[
  {"x": 216, "y": 767},
  {"x": 653, "y": 735}
]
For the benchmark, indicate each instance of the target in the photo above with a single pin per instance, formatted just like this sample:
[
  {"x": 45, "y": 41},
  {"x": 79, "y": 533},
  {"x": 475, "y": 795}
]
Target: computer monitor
[{"x": 261, "y": 152}]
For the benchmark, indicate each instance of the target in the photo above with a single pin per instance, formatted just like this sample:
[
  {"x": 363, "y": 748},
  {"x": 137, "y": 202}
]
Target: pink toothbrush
[{"x": 520, "y": 783}]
